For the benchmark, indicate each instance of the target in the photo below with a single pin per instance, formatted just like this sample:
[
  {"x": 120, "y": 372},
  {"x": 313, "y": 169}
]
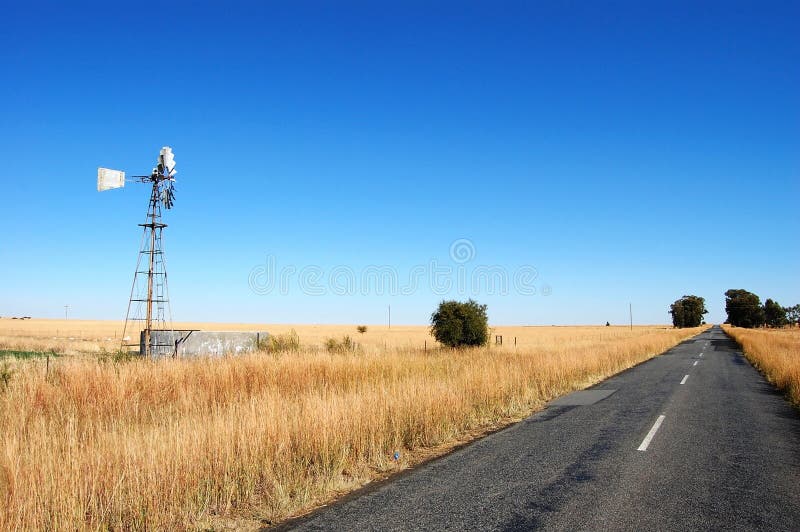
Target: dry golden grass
[
  {"x": 92, "y": 336},
  {"x": 774, "y": 352},
  {"x": 214, "y": 442}
]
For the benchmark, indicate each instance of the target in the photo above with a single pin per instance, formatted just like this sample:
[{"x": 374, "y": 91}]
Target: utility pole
[
  {"x": 630, "y": 311},
  {"x": 390, "y": 316},
  {"x": 66, "y": 312}
]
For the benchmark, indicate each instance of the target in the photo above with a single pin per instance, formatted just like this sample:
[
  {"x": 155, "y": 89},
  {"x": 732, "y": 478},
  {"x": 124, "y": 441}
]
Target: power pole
[
  {"x": 390, "y": 316},
  {"x": 66, "y": 312},
  {"x": 630, "y": 311}
]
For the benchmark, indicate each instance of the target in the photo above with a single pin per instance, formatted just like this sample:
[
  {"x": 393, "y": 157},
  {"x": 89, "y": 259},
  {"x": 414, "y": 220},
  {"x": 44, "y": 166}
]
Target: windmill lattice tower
[{"x": 148, "y": 306}]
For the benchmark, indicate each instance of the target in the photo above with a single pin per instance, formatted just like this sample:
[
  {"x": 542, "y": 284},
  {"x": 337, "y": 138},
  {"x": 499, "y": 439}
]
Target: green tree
[
  {"x": 457, "y": 324},
  {"x": 676, "y": 309},
  {"x": 744, "y": 308},
  {"x": 688, "y": 311},
  {"x": 792, "y": 315},
  {"x": 774, "y": 314}
]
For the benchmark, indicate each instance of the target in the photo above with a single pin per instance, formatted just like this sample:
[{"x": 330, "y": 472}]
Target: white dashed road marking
[{"x": 647, "y": 439}]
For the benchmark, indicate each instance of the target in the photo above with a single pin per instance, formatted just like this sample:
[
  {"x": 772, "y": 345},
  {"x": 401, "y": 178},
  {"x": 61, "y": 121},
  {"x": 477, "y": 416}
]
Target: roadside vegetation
[
  {"x": 250, "y": 440},
  {"x": 688, "y": 311},
  {"x": 775, "y": 353},
  {"x": 460, "y": 324},
  {"x": 744, "y": 309}
]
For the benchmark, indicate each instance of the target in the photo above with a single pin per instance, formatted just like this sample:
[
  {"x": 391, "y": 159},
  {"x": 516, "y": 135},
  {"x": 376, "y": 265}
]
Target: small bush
[
  {"x": 281, "y": 343},
  {"x": 457, "y": 324},
  {"x": 345, "y": 345},
  {"x": 117, "y": 356},
  {"x": 362, "y": 329},
  {"x": 5, "y": 374}
]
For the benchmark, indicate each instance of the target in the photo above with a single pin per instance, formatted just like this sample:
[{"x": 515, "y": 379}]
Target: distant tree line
[{"x": 744, "y": 310}]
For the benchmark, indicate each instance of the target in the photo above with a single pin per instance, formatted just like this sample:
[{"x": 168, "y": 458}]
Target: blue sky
[{"x": 627, "y": 152}]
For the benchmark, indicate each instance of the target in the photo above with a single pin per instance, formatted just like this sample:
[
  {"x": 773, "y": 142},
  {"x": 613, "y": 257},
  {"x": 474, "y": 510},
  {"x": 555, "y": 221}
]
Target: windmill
[{"x": 148, "y": 305}]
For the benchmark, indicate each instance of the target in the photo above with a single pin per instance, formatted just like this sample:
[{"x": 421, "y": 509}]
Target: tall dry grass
[
  {"x": 775, "y": 353},
  {"x": 191, "y": 443}
]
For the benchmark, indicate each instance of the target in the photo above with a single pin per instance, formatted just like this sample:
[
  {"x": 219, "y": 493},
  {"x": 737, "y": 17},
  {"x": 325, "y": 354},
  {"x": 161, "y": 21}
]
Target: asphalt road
[{"x": 725, "y": 456}]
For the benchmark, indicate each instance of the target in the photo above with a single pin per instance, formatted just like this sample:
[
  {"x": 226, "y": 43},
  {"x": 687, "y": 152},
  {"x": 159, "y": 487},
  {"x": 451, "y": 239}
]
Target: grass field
[
  {"x": 776, "y": 353},
  {"x": 92, "y": 336},
  {"x": 89, "y": 443}
]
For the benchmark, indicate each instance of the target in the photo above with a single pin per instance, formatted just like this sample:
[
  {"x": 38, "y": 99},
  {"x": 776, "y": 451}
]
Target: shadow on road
[{"x": 721, "y": 344}]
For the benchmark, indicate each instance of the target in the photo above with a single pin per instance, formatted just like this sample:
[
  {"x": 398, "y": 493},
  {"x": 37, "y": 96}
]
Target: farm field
[
  {"x": 88, "y": 443},
  {"x": 774, "y": 352},
  {"x": 92, "y": 336}
]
